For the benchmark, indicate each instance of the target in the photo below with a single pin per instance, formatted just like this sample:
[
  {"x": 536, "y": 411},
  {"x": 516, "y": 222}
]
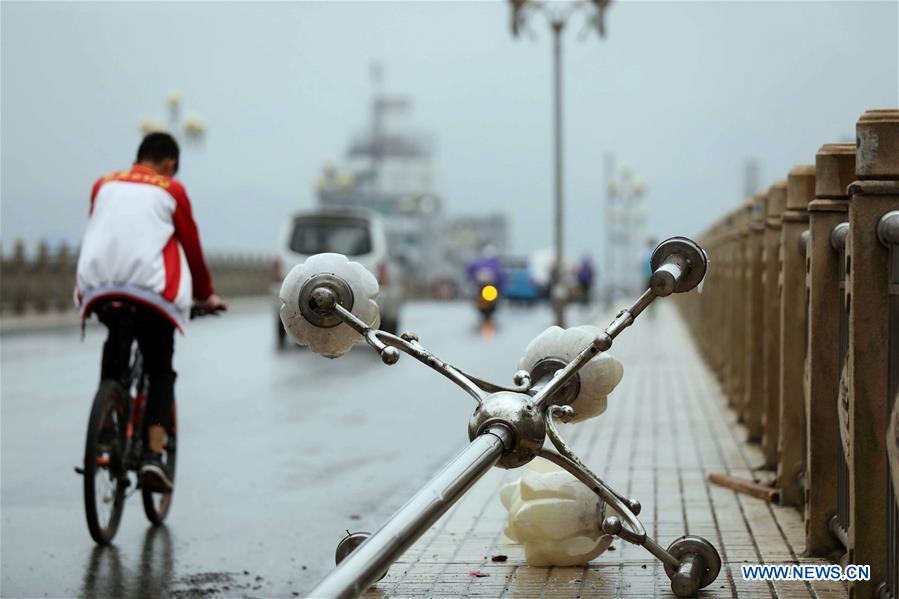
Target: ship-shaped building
[{"x": 389, "y": 169}]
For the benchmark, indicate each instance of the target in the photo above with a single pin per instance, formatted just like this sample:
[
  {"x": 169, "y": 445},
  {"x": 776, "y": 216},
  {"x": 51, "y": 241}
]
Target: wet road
[{"x": 279, "y": 452}]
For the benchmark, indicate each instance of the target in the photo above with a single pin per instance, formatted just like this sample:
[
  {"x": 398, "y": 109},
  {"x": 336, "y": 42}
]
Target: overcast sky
[{"x": 681, "y": 92}]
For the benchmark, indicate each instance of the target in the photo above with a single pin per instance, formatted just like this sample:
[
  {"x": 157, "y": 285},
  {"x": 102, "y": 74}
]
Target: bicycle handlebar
[{"x": 198, "y": 311}]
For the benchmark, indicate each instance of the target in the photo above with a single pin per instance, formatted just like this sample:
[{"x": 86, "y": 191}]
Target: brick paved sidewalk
[{"x": 666, "y": 428}]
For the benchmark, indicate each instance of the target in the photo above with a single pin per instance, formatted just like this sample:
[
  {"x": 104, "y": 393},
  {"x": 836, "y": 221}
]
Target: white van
[{"x": 357, "y": 234}]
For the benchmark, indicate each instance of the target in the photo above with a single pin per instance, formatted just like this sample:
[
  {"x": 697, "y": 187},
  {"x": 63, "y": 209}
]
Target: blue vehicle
[{"x": 519, "y": 286}]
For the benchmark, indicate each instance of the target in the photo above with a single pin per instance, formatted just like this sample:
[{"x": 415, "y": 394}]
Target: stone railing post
[
  {"x": 41, "y": 279},
  {"x": 777, "y": 200},
  {"x": 755, "y": 330},
  {"x": 17, "y": 278},
  {"x": 873, "y": 195},
  {"x": 791, "y": 446},
  {"x": 714, "y": 311},
  {"x": 237, "y": 275},
  {"x": 834, "y": 171},
  {"x": 64, "y": 278},
  {"x": 893, "y": 450},
  {"x": 737, "y": 307}
]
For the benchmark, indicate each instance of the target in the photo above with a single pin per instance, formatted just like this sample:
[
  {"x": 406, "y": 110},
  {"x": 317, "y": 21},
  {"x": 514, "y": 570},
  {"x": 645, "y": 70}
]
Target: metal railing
[
  {"x": 840, "y": 522},
  {"x": 888, "y": 234},
  {"x": 837, "y": 337},
  {"x": 44, "y": 281}
]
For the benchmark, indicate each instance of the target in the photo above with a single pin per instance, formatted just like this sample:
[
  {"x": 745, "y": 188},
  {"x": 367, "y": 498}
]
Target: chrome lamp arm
[
  {"x": 388, "y": 347},
  {"x": 508, "y": 427},
  {"x": 626, "y": 525},
  {"x": 678, "y": 265}
]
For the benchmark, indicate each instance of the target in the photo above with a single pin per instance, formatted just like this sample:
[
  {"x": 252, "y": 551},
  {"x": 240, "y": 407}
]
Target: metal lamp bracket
[{"x": 508, "y": 429}]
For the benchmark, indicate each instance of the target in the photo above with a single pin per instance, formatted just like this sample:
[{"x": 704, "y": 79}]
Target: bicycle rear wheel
[
  {"x": 105, "y": 477},
  {"x": 157, "y": 505}
]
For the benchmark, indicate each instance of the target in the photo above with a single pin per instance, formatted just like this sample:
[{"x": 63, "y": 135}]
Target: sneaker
[{"x": 154, "y": 476}]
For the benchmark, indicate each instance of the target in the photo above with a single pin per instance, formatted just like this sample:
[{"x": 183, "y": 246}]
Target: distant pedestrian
[{"x": 585, "y": 275}]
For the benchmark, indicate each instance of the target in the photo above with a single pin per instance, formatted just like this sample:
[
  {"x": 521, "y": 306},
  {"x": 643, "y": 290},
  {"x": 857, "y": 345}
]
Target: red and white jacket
[{"x": 142, "y": 244}]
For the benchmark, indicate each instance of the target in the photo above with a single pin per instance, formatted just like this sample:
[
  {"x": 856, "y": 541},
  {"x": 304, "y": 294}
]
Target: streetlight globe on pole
[
  {"x": 557, "y": 15},
  {"x": 193, "y": 127},
  {"x": 627, "y": 216},
  {"x": 639, "y": 188}
]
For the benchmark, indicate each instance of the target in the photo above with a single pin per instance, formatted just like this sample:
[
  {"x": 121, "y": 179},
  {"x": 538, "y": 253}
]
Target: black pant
[{"x": 155, "y": 336}]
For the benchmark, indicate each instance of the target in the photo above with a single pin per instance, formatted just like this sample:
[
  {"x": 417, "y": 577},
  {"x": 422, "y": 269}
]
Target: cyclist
[{"x": 141, "y": 267}]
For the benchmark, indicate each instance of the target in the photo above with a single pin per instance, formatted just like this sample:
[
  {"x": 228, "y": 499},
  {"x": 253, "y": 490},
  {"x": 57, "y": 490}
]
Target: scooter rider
[{"x": 486, "y": 269}]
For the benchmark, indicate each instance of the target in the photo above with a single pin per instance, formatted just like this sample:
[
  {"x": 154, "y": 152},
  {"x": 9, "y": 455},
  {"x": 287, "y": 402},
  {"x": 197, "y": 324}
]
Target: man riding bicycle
[{"x": 140, "y": 269}]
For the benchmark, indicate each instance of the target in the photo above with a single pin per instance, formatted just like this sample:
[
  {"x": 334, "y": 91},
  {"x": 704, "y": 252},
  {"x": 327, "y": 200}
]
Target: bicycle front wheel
[
  {"x": 105, "y": 477},
  {"x": 157, "y": 505}
]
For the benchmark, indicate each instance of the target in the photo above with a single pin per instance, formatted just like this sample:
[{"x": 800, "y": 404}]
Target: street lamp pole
[
  {"x": 609, "y": 229},
  {"x": 557, "y": 19},
  {"x": 558, "y": 293}
]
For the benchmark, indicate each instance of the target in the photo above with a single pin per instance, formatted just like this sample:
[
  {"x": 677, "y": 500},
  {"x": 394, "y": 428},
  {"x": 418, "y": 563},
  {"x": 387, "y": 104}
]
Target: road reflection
[
  {"x": 488, "y": 330},
  {"x": 106, "y": 577},
  {"x": 104, "y": 574},
  {"x": 304, "y": 414},
  {"x": 156, "y": 563}
]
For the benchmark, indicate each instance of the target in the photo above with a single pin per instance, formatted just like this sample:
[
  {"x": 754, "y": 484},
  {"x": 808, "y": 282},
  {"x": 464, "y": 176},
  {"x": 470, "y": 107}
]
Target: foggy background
[
  {"x": 681, "y": 92},
  {"x": 281, "y": 451}
]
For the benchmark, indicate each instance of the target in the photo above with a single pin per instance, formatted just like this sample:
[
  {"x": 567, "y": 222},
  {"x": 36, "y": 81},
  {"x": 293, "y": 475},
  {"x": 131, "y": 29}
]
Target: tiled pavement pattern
[{"x": 666, "y": 428}]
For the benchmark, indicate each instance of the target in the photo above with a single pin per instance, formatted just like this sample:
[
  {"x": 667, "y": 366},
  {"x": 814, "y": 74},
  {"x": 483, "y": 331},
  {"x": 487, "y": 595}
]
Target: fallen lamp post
[{"x": 508, "y": 427}]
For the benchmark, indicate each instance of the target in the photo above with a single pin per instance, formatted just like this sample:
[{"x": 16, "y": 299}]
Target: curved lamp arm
[
  {"x": 567, "y": 459},
  {"x": 388, "y": 347},
  {"x": 626, "y": 508}
]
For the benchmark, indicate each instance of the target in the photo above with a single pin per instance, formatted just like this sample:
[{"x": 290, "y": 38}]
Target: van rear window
[{"x": 345, "y": 236}]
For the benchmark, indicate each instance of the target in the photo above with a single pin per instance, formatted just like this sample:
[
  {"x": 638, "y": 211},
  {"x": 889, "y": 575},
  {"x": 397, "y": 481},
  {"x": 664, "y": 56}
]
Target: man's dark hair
[{"x": 157, "y": 147}]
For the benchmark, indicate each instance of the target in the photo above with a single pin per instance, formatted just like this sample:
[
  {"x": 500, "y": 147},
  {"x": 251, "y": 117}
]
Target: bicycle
[{"x": 114, "y": 448}]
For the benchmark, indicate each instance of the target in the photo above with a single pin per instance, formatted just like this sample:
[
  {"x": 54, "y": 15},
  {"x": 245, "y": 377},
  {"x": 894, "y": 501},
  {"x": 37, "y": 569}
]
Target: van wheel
[
  {"x": 281, "y": 339},
  {"x": 390, "y": 326}
]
